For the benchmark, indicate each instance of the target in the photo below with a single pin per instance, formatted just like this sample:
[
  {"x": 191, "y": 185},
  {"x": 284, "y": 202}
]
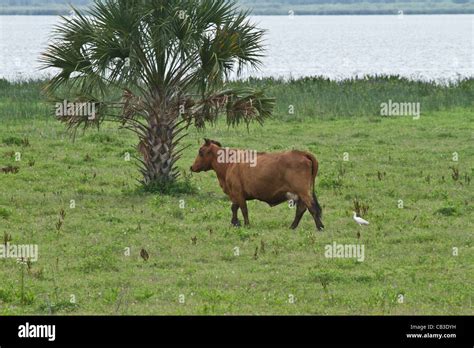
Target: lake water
[{"x": 437, "y": 47}]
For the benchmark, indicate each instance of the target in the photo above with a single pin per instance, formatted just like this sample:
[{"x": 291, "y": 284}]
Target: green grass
[
  {"x": 408, "y": 251},
  {"x": 307, "y": 98},
  {"x": 318, "y": 97}
]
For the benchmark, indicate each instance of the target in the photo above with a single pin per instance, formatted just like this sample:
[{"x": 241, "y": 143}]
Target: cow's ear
[
  {"x": 207, "y": 142},
  {"x": 217, "y": 143}
]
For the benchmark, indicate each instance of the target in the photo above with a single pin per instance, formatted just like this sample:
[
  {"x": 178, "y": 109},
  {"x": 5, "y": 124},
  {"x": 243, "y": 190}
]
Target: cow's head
[{"x": 207, "y": 152}]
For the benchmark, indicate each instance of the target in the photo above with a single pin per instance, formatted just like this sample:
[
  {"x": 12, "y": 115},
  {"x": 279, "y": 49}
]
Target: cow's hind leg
[
  {"x": 235, "y": 220},
  {"x": 314, "y": 208},
  {"x": 319, "y": 210},
  {"x": 300, "y": 210}
]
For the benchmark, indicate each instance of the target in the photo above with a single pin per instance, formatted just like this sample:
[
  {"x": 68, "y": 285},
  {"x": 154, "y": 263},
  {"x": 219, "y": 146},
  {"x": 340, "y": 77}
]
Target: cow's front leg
[
  {"x": 245, "y": 212},
  {"x": 235, "y": 220}
]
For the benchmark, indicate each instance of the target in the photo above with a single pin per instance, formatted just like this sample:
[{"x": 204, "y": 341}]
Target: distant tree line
[
  {"x": 246, "y": 2},
  {"x": 316, "y": 2},
  {"x": 273, "y": 7}
]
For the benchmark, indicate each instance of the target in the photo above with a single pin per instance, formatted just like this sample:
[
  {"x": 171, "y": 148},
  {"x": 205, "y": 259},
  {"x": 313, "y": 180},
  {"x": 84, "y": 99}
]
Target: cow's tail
[{"x": 314, "y": 173}]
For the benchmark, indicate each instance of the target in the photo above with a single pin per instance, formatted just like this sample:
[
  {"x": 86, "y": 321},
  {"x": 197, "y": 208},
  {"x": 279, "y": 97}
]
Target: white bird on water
[{"x": 359, "y": 220}]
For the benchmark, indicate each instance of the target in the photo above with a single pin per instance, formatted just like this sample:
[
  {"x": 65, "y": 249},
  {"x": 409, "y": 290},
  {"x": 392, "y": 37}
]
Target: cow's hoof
[{"x": 236, "y": 223}]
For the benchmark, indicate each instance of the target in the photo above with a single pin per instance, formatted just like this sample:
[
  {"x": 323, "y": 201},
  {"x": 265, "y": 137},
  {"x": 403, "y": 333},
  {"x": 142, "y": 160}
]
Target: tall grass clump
[
  {"x": 23, "y": 100},
  {"x": 309, "y": 97},
  {"x": 320, "y": 97}
]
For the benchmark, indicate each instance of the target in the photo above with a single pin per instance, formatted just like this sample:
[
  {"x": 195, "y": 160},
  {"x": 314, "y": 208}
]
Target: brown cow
[{"x": 273, "y": 178}]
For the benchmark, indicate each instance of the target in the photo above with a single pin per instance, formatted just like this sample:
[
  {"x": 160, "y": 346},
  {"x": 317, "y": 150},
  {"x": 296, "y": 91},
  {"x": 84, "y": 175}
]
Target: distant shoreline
[
  {"x": 279, "y": 14},
  {"x": 325, "y": 11}
]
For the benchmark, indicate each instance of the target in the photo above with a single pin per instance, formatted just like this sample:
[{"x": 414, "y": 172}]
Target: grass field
[{"x": 193, "y": 266}]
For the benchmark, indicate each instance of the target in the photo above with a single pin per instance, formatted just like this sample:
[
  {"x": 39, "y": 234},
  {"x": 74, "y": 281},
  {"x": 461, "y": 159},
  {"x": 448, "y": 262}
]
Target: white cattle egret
[{"x": 359, "y": 220}]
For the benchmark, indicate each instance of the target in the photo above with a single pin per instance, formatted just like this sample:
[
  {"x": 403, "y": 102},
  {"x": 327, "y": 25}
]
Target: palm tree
[{"x": 156, "y": 67}]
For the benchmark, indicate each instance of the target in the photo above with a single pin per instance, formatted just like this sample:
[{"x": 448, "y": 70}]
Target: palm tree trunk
[{"x": 159, "y": 152}]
